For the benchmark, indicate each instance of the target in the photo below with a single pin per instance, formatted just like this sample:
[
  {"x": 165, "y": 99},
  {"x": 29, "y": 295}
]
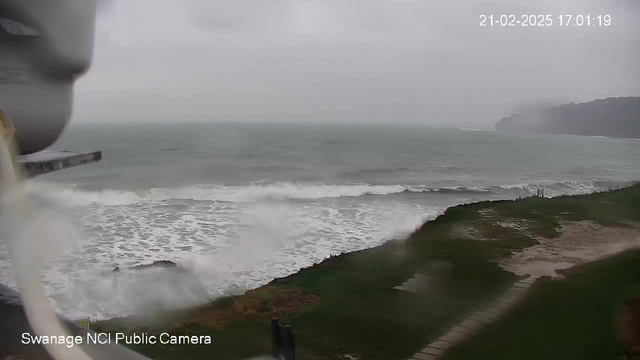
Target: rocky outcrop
[{"x": 155, "y": 264}]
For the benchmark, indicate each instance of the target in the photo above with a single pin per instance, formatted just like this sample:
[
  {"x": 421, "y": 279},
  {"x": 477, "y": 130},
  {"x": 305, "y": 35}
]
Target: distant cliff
[{"x": 613, "y": 117}]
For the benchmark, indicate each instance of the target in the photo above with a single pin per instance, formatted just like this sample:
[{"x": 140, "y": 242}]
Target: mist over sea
[{"x": 241, "y": 204}]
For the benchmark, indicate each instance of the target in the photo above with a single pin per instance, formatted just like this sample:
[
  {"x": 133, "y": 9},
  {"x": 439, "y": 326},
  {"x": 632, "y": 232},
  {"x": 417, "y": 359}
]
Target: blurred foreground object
[
  {"x": 46, "y": 161},
  {"x": 26, "y": 227},
  {"x": 45, "y": 45}
]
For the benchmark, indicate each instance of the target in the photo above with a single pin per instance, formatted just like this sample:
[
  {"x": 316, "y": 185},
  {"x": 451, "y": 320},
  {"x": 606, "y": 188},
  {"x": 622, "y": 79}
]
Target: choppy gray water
[{"x": 241, "y": 204}]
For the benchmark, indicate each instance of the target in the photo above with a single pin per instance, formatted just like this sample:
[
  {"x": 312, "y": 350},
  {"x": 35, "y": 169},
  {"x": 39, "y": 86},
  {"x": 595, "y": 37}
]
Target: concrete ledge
[{"x": 45, "y": 162}]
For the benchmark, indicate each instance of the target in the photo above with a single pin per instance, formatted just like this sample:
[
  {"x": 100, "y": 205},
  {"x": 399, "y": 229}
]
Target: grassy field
[
  {"x": 572, "y": 318},
  {"x": 347, "y": 305}
]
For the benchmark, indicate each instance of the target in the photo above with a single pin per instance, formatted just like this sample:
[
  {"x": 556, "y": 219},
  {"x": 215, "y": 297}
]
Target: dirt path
[{"x": 579, "y": 242}]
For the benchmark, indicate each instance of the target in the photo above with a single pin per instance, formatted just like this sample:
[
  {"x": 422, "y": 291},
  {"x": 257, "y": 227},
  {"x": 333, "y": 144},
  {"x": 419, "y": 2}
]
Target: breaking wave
[{"x": 299, "y": 191}]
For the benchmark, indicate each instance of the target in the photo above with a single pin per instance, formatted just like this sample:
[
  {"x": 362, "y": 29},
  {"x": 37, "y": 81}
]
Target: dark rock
[
  {"x": 156, "y": 264},
  {"x": 116, "y": 269}
]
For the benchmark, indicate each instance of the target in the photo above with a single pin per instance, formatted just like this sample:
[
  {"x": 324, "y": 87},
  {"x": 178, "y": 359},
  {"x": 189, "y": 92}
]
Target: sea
[{"x": 237, "y": 205}]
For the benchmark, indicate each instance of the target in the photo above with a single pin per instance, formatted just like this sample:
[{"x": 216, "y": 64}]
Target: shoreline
[
  {"x": 405, "y": 235},
  {"x": 113, "y": 312},
  {"x": 345, "y": 304}
]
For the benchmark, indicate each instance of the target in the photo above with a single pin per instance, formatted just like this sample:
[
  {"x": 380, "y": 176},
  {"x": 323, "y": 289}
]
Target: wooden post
[
  {"x": 283, "y": 341},
  {"x": 291, "y": 343},
  {"x": 276, "y": 338}
]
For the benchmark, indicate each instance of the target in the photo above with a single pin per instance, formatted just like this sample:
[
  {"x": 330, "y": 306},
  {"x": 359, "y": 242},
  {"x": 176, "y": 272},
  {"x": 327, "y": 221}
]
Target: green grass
[
  {"x": 564, "y": 319},
  {"x": 347, "y": 304}
]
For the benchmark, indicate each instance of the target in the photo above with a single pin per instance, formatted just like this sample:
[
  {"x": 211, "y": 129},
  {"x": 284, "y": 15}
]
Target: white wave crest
[
  {"x": 250, "y": 193},
  {"x": 291, "y": 191}
]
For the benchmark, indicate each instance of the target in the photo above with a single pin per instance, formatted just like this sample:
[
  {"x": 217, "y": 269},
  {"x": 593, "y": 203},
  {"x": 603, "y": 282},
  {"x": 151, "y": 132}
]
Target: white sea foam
[
  {"x": 250, "y": 193},
  {"x": 227, "y": 247}
]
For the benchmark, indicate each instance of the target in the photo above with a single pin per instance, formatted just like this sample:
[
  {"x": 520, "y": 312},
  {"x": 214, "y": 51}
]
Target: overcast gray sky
[{"x": 417, "y": 61}]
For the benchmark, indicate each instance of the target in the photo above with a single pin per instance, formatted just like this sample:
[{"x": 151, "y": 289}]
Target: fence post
[
  {"x": 291, "y": 343},
  {"x": 276, "y": 338},
  {"x": 283, "y": 341}
]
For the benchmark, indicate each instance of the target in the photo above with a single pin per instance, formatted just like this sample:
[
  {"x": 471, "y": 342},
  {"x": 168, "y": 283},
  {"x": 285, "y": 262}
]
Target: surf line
[{"x": 115, "y": 338}]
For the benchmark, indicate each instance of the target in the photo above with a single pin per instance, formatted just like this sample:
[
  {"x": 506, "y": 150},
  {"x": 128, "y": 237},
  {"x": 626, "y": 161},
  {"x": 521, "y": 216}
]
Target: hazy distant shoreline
[{"x": 611, "y": 117}]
